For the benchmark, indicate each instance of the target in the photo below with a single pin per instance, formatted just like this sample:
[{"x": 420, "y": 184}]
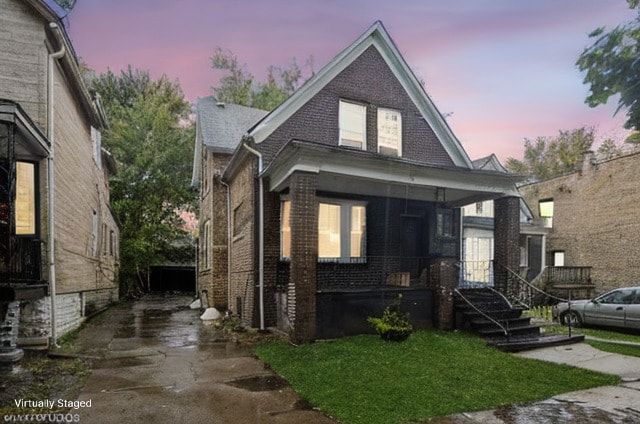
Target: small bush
[{"x": 394, "y": 324}]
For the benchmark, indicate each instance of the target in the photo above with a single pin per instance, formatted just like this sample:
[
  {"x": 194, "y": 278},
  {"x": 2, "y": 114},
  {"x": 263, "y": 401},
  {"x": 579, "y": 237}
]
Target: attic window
[
  {"x": 389, "y": 132},
  {"x": 352, "y": 122}
]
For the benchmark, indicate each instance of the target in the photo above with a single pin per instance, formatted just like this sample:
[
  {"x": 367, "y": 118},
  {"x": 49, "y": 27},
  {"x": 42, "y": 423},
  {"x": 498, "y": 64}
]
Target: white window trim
[
  {"x": 364, "y": 124},
  {"x": 398, "y": 148},
  {"x": 345, "y": 231}
]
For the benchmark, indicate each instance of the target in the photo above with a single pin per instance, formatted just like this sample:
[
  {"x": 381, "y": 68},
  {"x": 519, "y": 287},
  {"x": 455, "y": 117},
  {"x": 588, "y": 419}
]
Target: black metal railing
[
  {"x": 476, "y": 274},
  {"x": 364, "y": 273}
]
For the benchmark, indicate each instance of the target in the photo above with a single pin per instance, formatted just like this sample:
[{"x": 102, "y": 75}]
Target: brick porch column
[
  {"x": 304, "y": 256},
  {"x": 444, "y": 277},
  {"x": 506, "y": 233}
]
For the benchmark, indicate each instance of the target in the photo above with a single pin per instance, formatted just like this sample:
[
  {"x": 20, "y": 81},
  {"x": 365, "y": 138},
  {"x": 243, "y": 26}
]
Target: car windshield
[{"x": 625, "y": 296}]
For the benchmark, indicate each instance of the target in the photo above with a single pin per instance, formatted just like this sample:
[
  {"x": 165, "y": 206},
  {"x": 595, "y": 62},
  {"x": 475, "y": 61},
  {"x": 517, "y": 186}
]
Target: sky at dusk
[{"x": 501, "y": 70}]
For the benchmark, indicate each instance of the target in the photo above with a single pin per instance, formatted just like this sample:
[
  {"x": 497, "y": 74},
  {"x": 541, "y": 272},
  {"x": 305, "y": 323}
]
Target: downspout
[
  {"x": 53, "y": 57},
  {"x": 229, "y": 234},
  {"x": 260, "y": 232}
]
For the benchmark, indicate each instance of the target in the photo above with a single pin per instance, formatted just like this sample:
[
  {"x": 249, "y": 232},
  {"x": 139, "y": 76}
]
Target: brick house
[
  {"x": 349, "y": 193},
  {"x": 58, "y": 234},
  {"x": 592, "y": 218},
  {"x": 219, "y": 127}
]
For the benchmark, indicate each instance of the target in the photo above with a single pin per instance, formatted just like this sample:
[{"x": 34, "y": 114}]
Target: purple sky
[{"x": 504, "y": 69}]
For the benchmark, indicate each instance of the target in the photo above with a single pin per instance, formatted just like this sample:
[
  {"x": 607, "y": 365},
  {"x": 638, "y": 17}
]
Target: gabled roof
[
  {"x": 489, "y": 163},
  {"x": 222, "y": 125},
  {"x": 377, "y": 37}
]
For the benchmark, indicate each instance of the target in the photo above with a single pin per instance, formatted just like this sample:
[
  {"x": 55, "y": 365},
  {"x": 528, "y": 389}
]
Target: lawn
[
  {"x": 363, "y": 379},
  {"x": 604, "y": 334}
]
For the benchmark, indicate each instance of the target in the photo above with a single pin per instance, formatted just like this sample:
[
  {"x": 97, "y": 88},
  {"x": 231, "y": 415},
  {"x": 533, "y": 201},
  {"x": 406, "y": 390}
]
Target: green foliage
[
  {"x": 238, "y": 85},
  {"x": 548, "y": 157},
  {"x": 394, "y": 324},
  {"x": 151, "y": 138},
  {"x": 612, "y": 67},
  {"x": 364, "y": 379}
]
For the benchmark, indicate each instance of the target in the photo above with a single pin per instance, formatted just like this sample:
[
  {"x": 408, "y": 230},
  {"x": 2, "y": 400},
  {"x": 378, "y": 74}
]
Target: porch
[
  {"x": 357, "y": 228},
  {"x": 22, "y": 149}
]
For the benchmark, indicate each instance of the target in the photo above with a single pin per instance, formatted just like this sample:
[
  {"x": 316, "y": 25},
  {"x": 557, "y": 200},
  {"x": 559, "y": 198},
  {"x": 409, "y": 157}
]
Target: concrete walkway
[
  {"x": 609, "y": 404},
  {"x": 156, "y": 362}
]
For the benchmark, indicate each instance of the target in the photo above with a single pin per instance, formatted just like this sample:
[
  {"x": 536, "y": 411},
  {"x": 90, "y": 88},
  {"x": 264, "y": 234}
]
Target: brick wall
[
  {"x": 317, "y": 120},
  {"x": 23, "y": 76},
  {"x": 595, "y": 218},
  {"x": 304, "y": 257},
  {"x": 212, "y": 278},
  {"x": 243, "y": 264},
  {"x": 506, "y": 239}
]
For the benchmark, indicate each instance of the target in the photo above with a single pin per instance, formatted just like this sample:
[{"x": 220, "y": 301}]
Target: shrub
[{"x": 394, "y": 324}]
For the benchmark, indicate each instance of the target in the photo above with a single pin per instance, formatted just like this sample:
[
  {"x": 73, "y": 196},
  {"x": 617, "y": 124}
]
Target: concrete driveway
[{"x": 154, "y": 361}]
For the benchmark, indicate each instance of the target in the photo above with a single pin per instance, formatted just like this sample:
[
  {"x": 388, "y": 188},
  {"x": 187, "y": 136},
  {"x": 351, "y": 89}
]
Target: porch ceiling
[{"x": 349, "y": 171}]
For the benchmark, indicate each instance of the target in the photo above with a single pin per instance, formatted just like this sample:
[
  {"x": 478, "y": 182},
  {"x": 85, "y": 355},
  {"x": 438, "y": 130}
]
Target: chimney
[{"x": 588, "y": 160}]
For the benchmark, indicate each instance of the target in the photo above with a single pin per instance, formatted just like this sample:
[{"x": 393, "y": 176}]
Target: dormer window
[
  {"x": 353, "y": 125},
  {"x": 389, "y": 132}
]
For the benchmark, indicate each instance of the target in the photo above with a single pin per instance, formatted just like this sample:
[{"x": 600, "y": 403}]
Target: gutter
[
  {"x": 53, "y": 57},
  {"x": 260, "y": 229}
]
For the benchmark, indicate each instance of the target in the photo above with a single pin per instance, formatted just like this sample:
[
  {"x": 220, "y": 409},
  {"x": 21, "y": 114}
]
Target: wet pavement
[{"x": 156, "y": 362}]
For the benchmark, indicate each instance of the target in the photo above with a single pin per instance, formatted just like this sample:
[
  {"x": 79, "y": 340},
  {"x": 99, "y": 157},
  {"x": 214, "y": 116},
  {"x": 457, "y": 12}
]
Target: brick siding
[
  {"x": 595, "y": 219},
  {"x": 317, "y": 120}
]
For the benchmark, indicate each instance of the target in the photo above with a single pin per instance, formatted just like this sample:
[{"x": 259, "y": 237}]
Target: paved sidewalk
[{"x": 610, "y": 404}]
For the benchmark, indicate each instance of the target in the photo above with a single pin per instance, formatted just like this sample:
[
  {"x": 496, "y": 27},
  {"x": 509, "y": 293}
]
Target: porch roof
[
  {"x": 350, "y": 171},
  {"x": 31, "y": 142}
]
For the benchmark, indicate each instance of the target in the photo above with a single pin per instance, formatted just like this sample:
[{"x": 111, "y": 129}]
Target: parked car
[{"x": 615, "y": 308}]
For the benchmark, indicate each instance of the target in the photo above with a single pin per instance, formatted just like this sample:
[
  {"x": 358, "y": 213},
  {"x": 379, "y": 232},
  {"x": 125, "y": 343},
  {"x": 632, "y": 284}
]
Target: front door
[{"x": 413, "y": 241}]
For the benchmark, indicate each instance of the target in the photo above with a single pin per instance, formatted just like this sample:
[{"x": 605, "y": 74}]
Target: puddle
[
  {"x": 260, "y": 383},
  {"x": 553, "y": 412}
]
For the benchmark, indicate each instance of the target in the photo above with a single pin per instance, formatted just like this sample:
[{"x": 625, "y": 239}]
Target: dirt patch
[{"x": 38, "y": 377}]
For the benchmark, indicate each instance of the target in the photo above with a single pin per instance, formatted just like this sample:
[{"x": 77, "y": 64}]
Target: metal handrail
[
  {"x": 506, "y": 332},
  {"x": 522, "y": 280}
]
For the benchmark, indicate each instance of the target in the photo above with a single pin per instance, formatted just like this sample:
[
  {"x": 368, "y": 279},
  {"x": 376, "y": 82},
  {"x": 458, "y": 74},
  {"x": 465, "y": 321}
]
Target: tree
[
  {"x": 238, "y": 85},
  {"x": 547, "y": 157},
  {"x": 612, "y": 65},
  {"x": 152, "y": 144}
]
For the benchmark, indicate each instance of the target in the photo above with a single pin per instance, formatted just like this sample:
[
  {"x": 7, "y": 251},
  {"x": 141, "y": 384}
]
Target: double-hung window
[
  {"x": 341, "y": 230},
  {"x": 353, "y": 123},
  {"x": 25, "y": 204},
  {"x": 389, "y": 132}
]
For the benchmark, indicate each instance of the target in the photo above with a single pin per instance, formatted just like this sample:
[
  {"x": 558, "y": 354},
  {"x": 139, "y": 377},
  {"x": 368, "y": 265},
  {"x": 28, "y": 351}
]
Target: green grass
[
  {"x": 363, "y": 379},
  {"x": 604, "y": 335}
]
